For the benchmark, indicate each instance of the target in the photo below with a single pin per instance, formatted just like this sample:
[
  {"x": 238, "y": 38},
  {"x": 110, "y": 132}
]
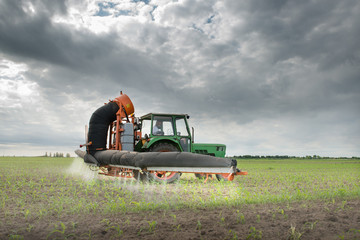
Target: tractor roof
[{"x": 148, "y": 116}]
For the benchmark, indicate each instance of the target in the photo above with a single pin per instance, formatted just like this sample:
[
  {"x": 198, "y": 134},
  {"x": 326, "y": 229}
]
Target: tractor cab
[
  {"x": 158, "y": 128},
  {"x": 173, "y": 131}
]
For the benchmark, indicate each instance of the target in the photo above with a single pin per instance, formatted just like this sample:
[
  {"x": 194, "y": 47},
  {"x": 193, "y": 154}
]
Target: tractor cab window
[
  {"x": 162, "y": 126},
  {"x": 146, "y": 127},
  {"x": 181, "y": 127},
  {"x": 183, "y": 134}
]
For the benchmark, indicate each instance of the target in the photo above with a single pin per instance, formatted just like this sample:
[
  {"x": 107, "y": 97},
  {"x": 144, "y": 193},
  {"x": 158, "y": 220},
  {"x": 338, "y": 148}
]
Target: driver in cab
[{"x": 157, "y": 129}]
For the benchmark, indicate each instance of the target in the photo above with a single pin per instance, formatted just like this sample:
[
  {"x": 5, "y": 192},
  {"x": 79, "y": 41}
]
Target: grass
[
  {"x": 33, "y": 187},
  {"x": 60, "y": 192}
]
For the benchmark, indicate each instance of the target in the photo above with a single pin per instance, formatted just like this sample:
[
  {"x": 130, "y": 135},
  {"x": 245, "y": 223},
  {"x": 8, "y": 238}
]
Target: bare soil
[{"x": 303, "y": 220}]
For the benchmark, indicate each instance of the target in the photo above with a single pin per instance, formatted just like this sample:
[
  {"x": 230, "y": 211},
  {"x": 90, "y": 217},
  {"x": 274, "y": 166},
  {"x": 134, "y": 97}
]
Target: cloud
[{"x": 250, "y": 65}]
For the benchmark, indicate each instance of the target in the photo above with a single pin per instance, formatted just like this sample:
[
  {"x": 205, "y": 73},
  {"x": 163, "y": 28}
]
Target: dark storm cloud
[
  {"x": 27, "y": 35},
  {"x": 322, "y": 36},
  {"x": 322, "y": 31},
  {"x": 70, "y": 56},
  {"x": 237, "y": 61}
]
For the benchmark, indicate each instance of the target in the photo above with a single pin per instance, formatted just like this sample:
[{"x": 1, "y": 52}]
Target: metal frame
[
  {"x": 127, "y": 171},
  {"x": 192, "y": 169}
]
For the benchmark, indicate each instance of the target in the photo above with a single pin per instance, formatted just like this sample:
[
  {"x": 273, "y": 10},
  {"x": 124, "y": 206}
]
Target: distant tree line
[
  {"x": 286, "y": 156},
  {"x": 57, "y": 154}
]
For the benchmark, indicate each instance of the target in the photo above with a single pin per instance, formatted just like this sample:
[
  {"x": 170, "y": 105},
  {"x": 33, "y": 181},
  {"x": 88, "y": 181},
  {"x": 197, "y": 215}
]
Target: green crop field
[{"x": 60, "y": 191}]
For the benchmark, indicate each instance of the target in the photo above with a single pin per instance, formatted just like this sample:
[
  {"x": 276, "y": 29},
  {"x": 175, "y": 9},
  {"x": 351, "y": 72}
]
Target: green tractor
[
  {"x": 158, "y": 147},
  {"x": 171, "y": 133}
]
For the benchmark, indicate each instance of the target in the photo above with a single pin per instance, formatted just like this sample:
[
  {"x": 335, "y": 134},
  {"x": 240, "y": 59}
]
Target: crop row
[{"x": 37, "y": 187}]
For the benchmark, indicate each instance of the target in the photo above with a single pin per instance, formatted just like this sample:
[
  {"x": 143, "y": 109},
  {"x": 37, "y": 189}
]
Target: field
[{"x": 61, "y": 198}]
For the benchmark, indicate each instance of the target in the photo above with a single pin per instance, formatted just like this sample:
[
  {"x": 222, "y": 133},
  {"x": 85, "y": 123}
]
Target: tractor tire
[
  {"x": 164, "y": 147},
  {"x": 164, "y": 177}
]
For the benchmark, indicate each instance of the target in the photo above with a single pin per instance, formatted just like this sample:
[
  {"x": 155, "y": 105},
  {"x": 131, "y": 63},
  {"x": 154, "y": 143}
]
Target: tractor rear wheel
[
  {"x": 164, "y": 177},
  {"x": 164, "y": 147}
]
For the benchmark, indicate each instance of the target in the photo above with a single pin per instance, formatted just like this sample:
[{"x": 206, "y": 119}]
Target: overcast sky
[{"x": 270, "y": 77}]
